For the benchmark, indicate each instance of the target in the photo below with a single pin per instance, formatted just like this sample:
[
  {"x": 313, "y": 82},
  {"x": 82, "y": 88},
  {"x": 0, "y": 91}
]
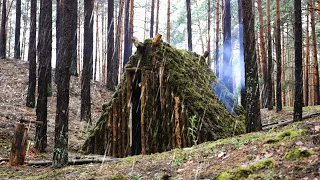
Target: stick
[
  {"x": 31, "y": 121},
  {"x": 73, "y": 161}
]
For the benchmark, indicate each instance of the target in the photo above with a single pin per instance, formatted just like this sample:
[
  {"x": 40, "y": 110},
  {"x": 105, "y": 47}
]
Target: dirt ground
[{"x": 291, "y": 152}]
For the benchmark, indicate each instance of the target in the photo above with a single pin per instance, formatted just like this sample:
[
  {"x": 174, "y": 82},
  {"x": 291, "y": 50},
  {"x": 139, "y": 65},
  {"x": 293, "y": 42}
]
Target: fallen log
[
  {"x": 73, "y": 161},
  {"x": 288, "y": 121}
]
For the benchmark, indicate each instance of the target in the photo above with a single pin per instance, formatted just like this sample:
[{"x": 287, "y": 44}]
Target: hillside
[{"x": 291, "y": 152}]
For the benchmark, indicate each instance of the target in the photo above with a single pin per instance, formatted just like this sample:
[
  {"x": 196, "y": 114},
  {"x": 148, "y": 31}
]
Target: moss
[
  {"x": 148, "y": 41},
  {"x": 264, "y": 164},
  {"x": 224, "y": 176},
  {"x": 297, "y": 153},
  {"x": 272, "y": 140}
]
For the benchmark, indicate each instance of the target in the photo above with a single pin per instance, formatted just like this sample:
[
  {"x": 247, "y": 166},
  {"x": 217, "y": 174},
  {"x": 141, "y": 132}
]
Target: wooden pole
[{"x": 19, "y": 145}]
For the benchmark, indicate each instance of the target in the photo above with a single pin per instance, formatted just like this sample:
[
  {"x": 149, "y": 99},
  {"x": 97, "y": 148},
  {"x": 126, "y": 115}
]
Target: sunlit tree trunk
[
  {"x": 262, "y": 55},
  {"x": 45, "y": 52},
  {"x": 87, "y": 61},
  {"x": 278, "y": 56},
  {"x": 3, "y": 30},
  {"x": 253, "y": 117},
  {"x": 32, "y": 56},
  {"x": 117, "y": 50},
  {"x": 269, "y": 72},
  {"x": 314, "y": 55},
  {"x": 103, "y": 48},
  {"x": 24, "y": 36},
  {"x": 157, "y": 17},
  {"x": 307, "y": 64},
  {"x": 189, "y": 25},
  {"x": 17, "y": 44},
  {"x": 297, "y": 113}
]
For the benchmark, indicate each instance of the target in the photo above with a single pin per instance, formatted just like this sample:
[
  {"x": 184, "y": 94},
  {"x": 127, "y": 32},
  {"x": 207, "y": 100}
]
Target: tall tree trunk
[
  {"x": 17, "y": 30},
  {"x": 241, "y": 58},
  {"x": 45, "y": 52},
  {"x": 103, "y": 49},
  {"x": 168, "y": 22},
  {"x": 110, "y": 46},
  {"x": 87, "y": 61},
  {"x": 297, "y": 114},
  {"x": 314, "y": 55},
  {"x": 152, "y": 19},
  {"x": 127, "y": 33},
  {"x": 189, "y": 25},
  {"x": 32, "y": 56},
  {"x": 209, "y": 29},
  {"x": 95, "y": 71},
  {"x": 73, "y": 68},
  {"x": 217, "y": 39},
  {"x": 79, "y": 44},
  {"x": 117, "y": 50},
  {"x": 263, "y": 55},
  {"x": 306, "y": 79},
  {"x": 227, "y": 78},
  {"x": 200, "y": 30},
  {"x": 69, "y": 18},
  {"x": 269, "y": 72},
  {"x": 24, "y": 37},
  {"x": 253, "y": 117},
  {"x": 157, "y": 17},
  {"x": 278, "y": 54},
  {"x": 58, "y": 42},
  {"x": 3, "y": 30}
]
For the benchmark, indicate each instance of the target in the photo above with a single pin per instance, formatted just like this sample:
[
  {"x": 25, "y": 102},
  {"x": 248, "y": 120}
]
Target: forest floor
[{"x": 290, "y": 152}]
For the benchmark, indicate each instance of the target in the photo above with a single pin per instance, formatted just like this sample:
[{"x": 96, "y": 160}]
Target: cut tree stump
[{"x": 19, "y": 145}]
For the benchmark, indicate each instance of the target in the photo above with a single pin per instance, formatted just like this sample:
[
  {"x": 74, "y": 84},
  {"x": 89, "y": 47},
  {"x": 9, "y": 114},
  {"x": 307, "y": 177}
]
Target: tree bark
[
  {"x": 297, "y": 113},
  {"x": 168, "y": 22},
  {"x": 217, "y": 39},
  {"x": 152, "y": 19},
  {"x": 117, "y": 50},
  {"x": 241, "y": 58},
  {"x": 307, "y": 64},
  {"x": 87, "y": 62},
  {"x": 110, "y": 46},
  {"x": 58, "y": 42},
  {"x": 253, "y": 117},
  {"x": 73, "y": 68},
  {"x": 227, "y": 78},
  {"x": 45, "y": 52},
  {"x": 32, "y": 56},
  {"x": 17, "y": 52},
  {"x": 96, "y": 69},
  {"x": 316, "y": 91},
  {"x": 157, "y": 17},
  {"x": 19, "y": 145},
  {"x": 3, "y": 37},
  {"x": 127, "y": 33},
  {"x": 269, "y": 72},
  {"x": 68, "y": 17},
  {"x": 278, "y": 57},
  {"x": 189, "y": 29}
]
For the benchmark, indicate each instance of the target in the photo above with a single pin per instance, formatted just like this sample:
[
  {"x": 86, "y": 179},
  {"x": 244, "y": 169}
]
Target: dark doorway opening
[{"x": 136, "y": 113}]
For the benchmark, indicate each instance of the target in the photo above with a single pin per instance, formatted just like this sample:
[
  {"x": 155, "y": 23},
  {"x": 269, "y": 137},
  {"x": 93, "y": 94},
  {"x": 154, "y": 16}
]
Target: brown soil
[{"x": 205, "y": 161}]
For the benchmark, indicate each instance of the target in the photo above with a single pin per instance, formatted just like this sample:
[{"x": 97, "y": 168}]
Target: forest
[{"x": 171, "y": 86}]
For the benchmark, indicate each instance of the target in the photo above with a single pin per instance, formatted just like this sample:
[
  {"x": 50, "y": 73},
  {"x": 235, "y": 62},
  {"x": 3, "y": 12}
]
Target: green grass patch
[{"x": 297, "y": 154}]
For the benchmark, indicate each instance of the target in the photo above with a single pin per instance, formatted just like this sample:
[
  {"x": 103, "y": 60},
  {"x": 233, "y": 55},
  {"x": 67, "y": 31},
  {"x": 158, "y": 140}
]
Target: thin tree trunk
[
  {"x": 103, "y": 49},
  {"x": 278, "y": 54},
  {"x": 79, "y": 45},
  {"x": 189, "y": 25},
  {"x": 32, "y": 56},
  {"x": 110, "y": 46},
  {"x": 157, "y": 17},
  {"x": 269, "y": 73},
  {"x": 253, "y": 117},
  {"x": 168, "y": 22},
  {"x": 127, "y": 41},
  {"x": 297, "y": 114},
  {"x": 117, "y": 45},
  {"x": 97, "y": 43},
  {"x": 306, "y": 79},
  {"x": 17, "y": 30},
  {"x": 58, "y": 42},
  {"x": 217, "y": 39},
  {"x": 314, "y": 55},
  {"x": 24, "y": 37},
  {"x": 242, "y": 73},
  {"x": 3, "y": 30},
  {"x": 87, "y": 61},
  {"x": 209, "y": 29},
  {"x": 152, "y": 19},
  {"x": 263, "y": 55},
  {"x": 73, "y": 68}
]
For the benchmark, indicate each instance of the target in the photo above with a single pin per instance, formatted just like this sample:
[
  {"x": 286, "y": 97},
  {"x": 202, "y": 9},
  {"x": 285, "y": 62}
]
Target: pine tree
[
  {"x": 168, "y": 22},
  {"x": 189, "y": 25},
  {"x": 17, "y": 30},
  {"x": 253, "y": 117},
  {"x": 3, "y": 37},
  {"x": 60, "y": 151},
  {"x": 87, "y": 61},
  {"x": 269, "y": 69},
  {"x": 32, "y": 56},
  {"x": 127, "y": 34},
  {"x": 278, "y": 56},
  {"x": 110, "y": 46},
  {"x": 297, "y": 114},
  {"x": 44, "y": 51}
]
